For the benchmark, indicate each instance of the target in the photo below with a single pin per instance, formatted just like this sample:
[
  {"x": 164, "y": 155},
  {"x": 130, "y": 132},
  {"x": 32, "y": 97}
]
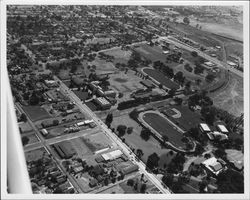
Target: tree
[
  {"x": 23, "y": 117},
  {"x": 25, "y": 140},
  {"x": 186, "y": 20},
  {"x": 130, "y": 182},
  {"x": 152, "y": 161},
  {"x": 109, "y": 119},
  {"x": 143, "y": 188},
  {"x": 145, "y": 134},
  {"x": 171, "y": 92},
  {"x": 129, "y": 130},
  {"x": 210, "y": 77},
  {"x": 121, "y": 130},
  {"x": 194, "y": 53},
  {"x": 139, "y": 153},
  {"x": 168, "y": 179}
]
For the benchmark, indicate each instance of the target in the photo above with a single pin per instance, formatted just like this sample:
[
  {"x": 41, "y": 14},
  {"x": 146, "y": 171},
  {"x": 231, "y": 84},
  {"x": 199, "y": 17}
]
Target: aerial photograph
[{"x": 127, "y": 99}]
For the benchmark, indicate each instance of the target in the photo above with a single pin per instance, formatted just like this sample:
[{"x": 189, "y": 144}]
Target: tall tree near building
[{"x": 186, "y": 20}]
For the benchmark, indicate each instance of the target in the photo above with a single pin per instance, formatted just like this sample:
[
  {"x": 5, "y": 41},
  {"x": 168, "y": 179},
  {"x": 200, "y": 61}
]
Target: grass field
[
  {"x": 25, "y": 127},
  {"x": 36, "y": 112},
  {"x": 158, "y": 76},
  {"x": 35, "y": 154},
  {"x": 102, "y": 67},
  {"x": 96, "y": 142},
  {"x": 121, "y": 56},
  {"x": 125, "y": 83},
  {"x": 154, "y": 53},
  {"x": 188, "y": 118},
  {"x": 135, "y": 141},
  {"x": 162, "y": 126},
  {"x": 32, "y": 138}
]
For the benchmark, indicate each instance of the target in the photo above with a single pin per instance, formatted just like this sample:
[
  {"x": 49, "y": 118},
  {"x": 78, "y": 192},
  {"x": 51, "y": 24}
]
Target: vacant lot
[
  {"x": 188, "y": 118},
  {"x": 158, "y": 76},
  {"x": 36, "y": 112},
  {"x": 162, "y": 126},
  {"x": 134, "y": 141},
  {"x": 35, "y": 154}
]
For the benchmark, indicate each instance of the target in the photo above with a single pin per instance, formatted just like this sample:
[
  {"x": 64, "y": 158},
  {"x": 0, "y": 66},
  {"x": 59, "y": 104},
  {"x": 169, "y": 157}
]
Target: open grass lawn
[
  {"x": 188, "y": 118},
  {"x": 35, "y": 154},
  {"x": 25, "y": 127},
  {"x": 36, "y": 112},
  {"x": 96, "y": 142},
  {"x": 81, "y": 95},
  {"x": 135, "y": 141},
  {"x": 158, "y": 76},
  {"x": 102, "y": 67},
  {"x": 32, "y": 138},
  {"x": 162, "y": 126},
  {"x": 154, "y": 53},
  {"x": 121, "y": 56}
]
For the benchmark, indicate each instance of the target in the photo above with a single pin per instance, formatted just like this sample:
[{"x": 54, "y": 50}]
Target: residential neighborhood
[{"x": 128, "y": 99}]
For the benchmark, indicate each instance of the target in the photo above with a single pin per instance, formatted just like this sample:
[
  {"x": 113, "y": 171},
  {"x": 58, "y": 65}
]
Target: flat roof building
[
  {"x": 103, "y": 103},
  {"x": 204, "y": 127},
  {"x": 112, "y": 155},
  {"x": 222, "y": 128}
]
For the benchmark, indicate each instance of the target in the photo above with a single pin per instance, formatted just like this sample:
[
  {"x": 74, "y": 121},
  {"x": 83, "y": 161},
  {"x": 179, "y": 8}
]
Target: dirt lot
[{"x": 135, "y": 141}]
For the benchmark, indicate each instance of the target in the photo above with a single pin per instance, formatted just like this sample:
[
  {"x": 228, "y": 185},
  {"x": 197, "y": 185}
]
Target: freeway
[{"x": 85, "y": 109}]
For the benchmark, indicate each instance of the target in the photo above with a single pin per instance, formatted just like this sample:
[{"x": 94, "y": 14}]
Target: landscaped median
[{"x": 162, "y": 127}]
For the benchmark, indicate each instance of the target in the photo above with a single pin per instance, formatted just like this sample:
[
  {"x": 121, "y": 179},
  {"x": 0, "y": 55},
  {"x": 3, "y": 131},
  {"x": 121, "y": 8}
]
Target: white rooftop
[
  {"x": 222, "y": 128},
  {"x": 112, "y": 155},
  {"x": 205, "y": 127},
  {"x": 213, "y": 165}
]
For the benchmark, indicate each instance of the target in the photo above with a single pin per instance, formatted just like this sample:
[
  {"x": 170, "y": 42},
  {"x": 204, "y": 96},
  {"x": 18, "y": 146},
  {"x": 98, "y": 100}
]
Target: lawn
[
  {"x": 25, "y": 127},
  {"x": 35, "y": 154},
  {"x": 121, "y": 56},
  {"x": 32, "y": 138},
  {"x": 162, "y": 126},
  {"x": 188, "y": 118},
  {"x": 158, "y": 76},
  {"x": 153, "y": 53},
  {"x": 81, "y": 95},
  {"x": 36, "y": 112},
  {"x": 135, "y": 141}
]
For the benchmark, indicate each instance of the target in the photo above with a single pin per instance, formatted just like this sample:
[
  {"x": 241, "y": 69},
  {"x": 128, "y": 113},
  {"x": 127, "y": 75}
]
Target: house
[
  {"x": 204, "y": 128},
  {"x": 216, "y": 135},
  {"x": 222, "y": 128},
  {"x": 214, "y": 165},
  {"x": 44, "y": 132}
]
